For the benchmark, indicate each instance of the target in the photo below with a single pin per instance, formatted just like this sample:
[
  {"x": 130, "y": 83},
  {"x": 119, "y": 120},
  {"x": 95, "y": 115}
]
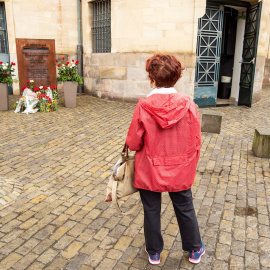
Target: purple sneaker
[
  {"x": 195, "y": 256},
  {"x": 153, "y": 259}
]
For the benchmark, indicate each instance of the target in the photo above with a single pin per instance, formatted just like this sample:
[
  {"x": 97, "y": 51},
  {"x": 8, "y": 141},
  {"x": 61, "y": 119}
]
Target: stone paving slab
[
  {"x": 10, "y": 190},
  {"x": 59, "y": 164}
]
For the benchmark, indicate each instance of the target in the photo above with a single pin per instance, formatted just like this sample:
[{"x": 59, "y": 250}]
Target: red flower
[
  {"x": 28, "y": 81},
  {"x": 77, "y": 62},
  {"x": 59, "y": 65},
  {"x": 67, "y": 63},
  {"x": 13, "y": 64},
  {"x": 25, "y": 87},
  {"x": 63, "y": 58},
  {"x": 73, "y": 61},
  {"x": 36, "y": 89},
  {"x": 1, "y": 63},
  {"x": 5, "y": 73},
  {"x": 56, "y": 60}
]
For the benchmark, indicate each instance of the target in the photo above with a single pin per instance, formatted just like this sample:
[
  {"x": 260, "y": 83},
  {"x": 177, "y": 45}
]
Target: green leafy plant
[
  {"x": 6, "y": 73},
  {"x": 67, "y": 72}
]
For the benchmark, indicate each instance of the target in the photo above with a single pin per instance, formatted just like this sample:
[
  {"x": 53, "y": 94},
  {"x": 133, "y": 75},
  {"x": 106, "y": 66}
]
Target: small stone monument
[
  {"x": 211, "y": 122},
  {"x": 261, "y": 143}
]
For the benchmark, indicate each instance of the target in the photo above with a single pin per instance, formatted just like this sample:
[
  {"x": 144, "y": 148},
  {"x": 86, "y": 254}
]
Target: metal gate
[
  {"x": 249, "y": 54},
  {"x": 208, "y": 55}
]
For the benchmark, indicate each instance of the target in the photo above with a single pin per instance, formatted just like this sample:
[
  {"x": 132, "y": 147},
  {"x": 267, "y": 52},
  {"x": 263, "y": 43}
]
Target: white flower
[
  {"x": 40, "y": 87},
  {"x": 3, "y": 64},
  {"x": 7, "y": 64},
  {"x": 4, "y": 67},
  {"x": 31, "y": 81}
]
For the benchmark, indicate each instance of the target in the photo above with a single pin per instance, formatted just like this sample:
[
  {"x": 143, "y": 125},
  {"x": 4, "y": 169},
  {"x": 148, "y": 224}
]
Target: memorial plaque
[{"x": 36, "y": 61}]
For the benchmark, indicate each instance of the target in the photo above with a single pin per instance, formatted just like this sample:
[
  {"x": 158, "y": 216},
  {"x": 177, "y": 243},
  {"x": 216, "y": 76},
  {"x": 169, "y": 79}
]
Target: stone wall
[
  {"x": 266, "y": 78},
  {"x": 122, "y": 75},
  {"x": 139, "y": 30},
  {"x": 50, "y": 19},
  {"x": 149, "y": 25},
  {"x": 263, "y": 47}
]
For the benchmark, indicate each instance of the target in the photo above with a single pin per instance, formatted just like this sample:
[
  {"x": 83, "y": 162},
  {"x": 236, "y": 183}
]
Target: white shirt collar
[{"x": 162, "y": 90}]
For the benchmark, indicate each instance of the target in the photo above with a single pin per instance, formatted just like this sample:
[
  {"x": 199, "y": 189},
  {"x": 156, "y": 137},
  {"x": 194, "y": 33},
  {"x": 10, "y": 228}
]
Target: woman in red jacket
[{"x": 166, "y": 135}]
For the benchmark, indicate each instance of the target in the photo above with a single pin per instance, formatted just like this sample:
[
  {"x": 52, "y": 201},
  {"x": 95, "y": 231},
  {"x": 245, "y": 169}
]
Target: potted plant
[
  {"x": 6, "y": 73},
  {"x": 67, "y": 73}
]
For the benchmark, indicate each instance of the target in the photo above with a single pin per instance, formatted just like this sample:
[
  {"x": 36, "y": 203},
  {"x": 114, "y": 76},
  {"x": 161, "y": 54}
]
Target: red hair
[{"x": 164, "y": 69}]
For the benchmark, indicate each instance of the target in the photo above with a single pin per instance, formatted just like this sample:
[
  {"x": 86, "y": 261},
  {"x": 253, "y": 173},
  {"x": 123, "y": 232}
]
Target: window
[
  {"x": 101, "y": 26},
  {"x": 3, "y": 30}
]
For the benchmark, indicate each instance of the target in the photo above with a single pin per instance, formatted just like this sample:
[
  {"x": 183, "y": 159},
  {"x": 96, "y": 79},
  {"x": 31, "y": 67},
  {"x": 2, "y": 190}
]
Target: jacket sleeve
[
  {"x": 134, "y": 138},
  {"x": 198, "y": 134}
]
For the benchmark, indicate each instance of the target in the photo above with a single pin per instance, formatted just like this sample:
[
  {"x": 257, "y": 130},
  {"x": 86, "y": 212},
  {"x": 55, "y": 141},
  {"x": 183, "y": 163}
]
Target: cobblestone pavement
[{"x": 53, "y": 173}]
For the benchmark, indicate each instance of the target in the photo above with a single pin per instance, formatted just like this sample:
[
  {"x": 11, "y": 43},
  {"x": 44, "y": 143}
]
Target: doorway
[
  {"x": 226, "y": 53},
  {"x": 231, "y": 54}
]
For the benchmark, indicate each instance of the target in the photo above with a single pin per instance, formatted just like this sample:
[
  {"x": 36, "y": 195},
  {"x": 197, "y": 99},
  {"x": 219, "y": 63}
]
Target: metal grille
[
  {"x": 208, "y": 52},
  {"x": 249, "y": 54},
  {"x": 101, "y": 26},
  {"x": 209, "y": 47},
  {"x": 3, "y": 30}
]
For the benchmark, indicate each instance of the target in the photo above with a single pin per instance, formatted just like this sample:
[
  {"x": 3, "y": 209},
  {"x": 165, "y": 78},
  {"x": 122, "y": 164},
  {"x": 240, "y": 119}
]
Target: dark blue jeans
[{"x": 185, "y": 214}]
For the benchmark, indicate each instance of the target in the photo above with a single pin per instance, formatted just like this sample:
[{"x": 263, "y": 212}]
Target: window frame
[{"x": 101, "y": 26}]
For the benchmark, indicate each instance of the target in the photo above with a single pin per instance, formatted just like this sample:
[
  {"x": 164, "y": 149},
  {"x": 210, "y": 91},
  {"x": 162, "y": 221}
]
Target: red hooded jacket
[{"x": 165, "y": 132}]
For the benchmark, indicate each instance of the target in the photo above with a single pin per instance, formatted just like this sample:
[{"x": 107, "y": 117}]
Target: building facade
[
  {"x": 44, "y": 20},
  {"x": 214, "y": 40}
]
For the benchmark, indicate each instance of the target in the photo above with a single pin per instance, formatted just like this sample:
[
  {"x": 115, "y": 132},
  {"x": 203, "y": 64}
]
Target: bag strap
[
  {"x": 125, "y": 151},
  {"x": 115, "y": 201}
]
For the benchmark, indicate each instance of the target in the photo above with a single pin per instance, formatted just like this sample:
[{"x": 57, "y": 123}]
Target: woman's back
[{"x": 169, "y": 126}]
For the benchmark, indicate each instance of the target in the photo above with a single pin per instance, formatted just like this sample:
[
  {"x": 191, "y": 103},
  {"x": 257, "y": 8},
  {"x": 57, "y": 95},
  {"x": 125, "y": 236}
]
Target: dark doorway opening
[{"x": 227, "y": 54}]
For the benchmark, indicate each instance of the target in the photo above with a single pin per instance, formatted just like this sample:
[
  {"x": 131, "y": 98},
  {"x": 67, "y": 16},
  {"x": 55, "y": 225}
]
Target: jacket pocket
[{"x": 163, "y": 161}]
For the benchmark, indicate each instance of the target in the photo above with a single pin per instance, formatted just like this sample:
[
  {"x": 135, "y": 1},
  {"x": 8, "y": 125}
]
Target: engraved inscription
[
  {"x": 37, "y": 64},
  {"x": 36, "y": 61}
]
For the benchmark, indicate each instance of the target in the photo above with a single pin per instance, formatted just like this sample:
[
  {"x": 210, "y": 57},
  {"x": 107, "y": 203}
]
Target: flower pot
[
  {"x": 70, "y": 93},
  {"x": 3, "y": 97}
]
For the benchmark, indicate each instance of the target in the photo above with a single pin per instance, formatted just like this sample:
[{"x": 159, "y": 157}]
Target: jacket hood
[{"x": 166, "y": 109}]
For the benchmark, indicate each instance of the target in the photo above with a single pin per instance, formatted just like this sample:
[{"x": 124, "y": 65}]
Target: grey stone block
[
  {"x": 211, "y": 122},
  {"x": 261, "y": 143}
]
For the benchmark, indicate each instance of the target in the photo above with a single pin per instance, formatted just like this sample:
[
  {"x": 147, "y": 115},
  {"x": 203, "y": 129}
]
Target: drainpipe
[{"x": 79, "y": 46}]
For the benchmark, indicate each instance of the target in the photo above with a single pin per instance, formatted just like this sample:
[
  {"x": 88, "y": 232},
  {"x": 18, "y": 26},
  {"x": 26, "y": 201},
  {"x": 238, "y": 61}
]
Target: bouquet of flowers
[
  {"x": 68, "y": 71},
  {"x": 48, "y": 98},
  {"x": 43, "y": 99}
]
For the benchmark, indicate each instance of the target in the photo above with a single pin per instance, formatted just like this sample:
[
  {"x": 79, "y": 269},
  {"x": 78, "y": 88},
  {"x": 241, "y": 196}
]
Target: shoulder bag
[{"x": 121, "y": 181}]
